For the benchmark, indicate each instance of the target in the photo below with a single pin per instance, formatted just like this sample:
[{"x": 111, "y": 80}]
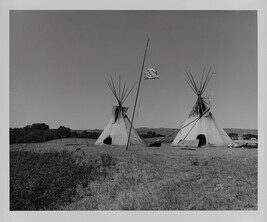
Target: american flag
[{"x": 151, "y": 74}]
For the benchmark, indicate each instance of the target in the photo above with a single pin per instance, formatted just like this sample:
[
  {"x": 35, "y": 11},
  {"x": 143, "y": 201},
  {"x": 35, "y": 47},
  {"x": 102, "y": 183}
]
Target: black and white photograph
[{"x": 134, "y": 110}]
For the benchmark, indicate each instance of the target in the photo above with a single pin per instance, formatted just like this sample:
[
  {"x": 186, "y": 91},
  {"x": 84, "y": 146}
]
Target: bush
[
  {"x": 48, "y": 181},
  {"x": 151, "y": 134},
  {"x": 107, "y": 160},
  {"x": 40, "y": 132},
  {"x": 28, "y": 134},
  {"x": 194, "y": 162},
  {"x": 90, "y": 135}
]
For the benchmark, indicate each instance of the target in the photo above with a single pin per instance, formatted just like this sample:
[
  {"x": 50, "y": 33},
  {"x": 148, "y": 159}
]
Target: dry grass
[{"x": 164, "y": 178}]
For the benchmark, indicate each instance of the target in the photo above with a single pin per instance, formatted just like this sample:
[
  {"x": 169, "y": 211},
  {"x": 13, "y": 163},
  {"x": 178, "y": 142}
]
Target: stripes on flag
[{"x": 151, "y": 74}]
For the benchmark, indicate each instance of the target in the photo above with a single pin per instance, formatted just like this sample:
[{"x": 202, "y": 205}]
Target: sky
[{"x": 60, "y": 62}]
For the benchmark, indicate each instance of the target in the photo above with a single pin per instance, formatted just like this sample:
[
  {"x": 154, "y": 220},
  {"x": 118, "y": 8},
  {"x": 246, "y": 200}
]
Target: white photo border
[{"x": 220, "y": 216}]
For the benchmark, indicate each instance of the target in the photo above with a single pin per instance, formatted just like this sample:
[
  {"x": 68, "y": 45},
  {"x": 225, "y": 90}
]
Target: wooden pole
[{"x": 136, "y": 98}]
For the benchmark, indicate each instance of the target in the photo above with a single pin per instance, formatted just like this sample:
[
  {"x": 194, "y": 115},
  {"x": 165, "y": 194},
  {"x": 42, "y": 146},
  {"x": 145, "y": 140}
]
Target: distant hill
[
  {"x": 163, "y": 131},
  {"x": 87, "y": 130},
  {"x": 241, "y": 131},
  {"x": 166, "y": 131}
]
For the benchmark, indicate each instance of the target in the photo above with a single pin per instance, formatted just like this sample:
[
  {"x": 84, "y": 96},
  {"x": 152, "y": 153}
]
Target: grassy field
[{"x": 142, "y": 178}]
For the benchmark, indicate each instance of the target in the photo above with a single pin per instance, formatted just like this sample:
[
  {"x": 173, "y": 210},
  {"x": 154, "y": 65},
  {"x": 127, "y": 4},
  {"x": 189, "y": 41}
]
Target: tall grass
[
  {"x": 143, "y": 178},
  {"x": 48, "y": 181},
  {"x": 188, "y": 182}
]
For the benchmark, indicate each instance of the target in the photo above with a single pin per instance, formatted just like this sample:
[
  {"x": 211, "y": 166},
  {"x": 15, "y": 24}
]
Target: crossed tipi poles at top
[
  {"x": 199, "y": 89},
  {"x": 121, "y": 94}
]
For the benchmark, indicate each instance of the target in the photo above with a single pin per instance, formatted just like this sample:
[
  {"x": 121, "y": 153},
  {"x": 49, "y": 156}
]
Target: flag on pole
[{"x": 151, "y": 74}]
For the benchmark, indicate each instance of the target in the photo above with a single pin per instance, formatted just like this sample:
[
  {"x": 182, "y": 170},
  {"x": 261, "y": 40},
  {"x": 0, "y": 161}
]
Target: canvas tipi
[
  {"x": 201, "y": 128},
  {"x": 118, "y": 128}
]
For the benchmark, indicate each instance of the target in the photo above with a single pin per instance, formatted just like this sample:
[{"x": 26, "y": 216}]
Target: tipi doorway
[
  {"x": 108, "y": 140},
  {"x": 202, "y": 140}
]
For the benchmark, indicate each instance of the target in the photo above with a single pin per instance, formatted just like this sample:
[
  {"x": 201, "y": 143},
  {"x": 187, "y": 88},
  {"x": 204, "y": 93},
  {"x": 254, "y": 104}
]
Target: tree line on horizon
[{"x": 40, "y": 132}]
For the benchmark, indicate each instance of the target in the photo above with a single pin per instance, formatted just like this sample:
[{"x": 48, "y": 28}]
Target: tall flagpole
[{"x": 136, "y": 98}]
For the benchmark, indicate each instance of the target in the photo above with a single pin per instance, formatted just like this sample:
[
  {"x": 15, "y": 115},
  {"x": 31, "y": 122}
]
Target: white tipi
[
  {"x": 201, "y": 128},
  {"x": 117, "y": 130}
]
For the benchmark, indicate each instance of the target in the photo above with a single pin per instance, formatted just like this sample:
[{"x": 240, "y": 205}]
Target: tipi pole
[
  {"x": 136, "y": 98},
  {"x": 183, "y": 126}
]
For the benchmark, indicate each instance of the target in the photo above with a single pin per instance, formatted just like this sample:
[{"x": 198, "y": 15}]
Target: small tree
[{"x": 63, "y": 132}]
